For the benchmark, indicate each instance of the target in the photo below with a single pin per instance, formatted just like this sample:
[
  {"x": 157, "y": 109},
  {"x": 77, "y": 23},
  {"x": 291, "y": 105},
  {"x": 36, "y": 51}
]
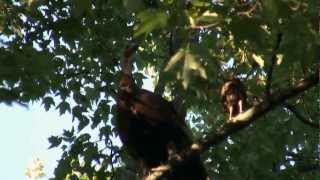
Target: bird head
[{"x": 126, "y": 63}]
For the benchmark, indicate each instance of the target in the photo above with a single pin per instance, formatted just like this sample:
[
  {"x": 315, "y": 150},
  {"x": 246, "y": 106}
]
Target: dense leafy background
[{"x": 66, "y": 54}]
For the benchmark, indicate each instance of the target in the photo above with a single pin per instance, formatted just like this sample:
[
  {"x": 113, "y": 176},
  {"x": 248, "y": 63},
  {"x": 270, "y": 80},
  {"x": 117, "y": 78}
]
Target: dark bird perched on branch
[
  {"x": 233, "y": 96},
  {"x": 150, "y": 127}
]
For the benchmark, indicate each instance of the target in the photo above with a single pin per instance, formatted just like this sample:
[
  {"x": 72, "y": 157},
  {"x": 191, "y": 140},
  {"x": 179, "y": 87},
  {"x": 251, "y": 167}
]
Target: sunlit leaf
[
  {"x": 200, "y": 3},
  {"x": 279, "y": 58},
  {"x": 191, "y": 64},
  {"x": 258, "y": 59},
  {"x": 186, "y": 72},
  {"x": 194, "y": 65},
  {"x": 175, "y": 58},
  {"x": 209, "y": 17},
  {"x": 66, "y": 53}
]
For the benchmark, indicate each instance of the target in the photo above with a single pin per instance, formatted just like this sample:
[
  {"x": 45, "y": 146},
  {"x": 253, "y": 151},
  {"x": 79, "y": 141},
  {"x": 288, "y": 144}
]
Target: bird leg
[
  {"x": 230, "y": 112},
  {"x": 145, "y": 170},
  {"x": 133, "y": 110},
  {"x": 240, "y": 105},
  {"x": 172, "y": 152}
]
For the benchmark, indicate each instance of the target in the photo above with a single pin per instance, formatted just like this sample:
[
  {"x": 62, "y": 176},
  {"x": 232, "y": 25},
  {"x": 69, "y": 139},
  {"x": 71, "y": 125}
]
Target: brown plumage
[
  {"x": 149, "y": 126},
  {"x": 233, "y": 96}
]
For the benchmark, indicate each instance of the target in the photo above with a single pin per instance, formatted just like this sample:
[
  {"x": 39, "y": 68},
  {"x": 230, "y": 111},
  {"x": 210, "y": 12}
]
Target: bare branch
[
  {"x": 250, "y": 7},
  {"x": 175, "y": 168},
  {"x": 273, "y": 61},
  {"x": 299, "y": 116},
  {"x": 207, "y": 26}
]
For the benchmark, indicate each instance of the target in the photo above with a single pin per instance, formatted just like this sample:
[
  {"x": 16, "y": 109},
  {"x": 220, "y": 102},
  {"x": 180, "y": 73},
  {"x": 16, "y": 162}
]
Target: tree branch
[
  {"x": 299, "y": 116},
  {"x": 240, "y": 122},
  {"x": 244, "y": 119},
  {"x": 273, "y": 61},
  {"x": 159, "y": 89},
  {"x": 249, "y": 8},
  {"x": 207, "y": 26}
]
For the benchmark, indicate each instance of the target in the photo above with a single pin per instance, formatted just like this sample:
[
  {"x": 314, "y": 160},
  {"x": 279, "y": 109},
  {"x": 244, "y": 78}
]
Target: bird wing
[{"x": 154, "y": 108}]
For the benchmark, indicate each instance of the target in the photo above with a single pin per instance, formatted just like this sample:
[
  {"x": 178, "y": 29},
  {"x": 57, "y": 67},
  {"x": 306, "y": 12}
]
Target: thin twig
[
  {"x": 159, "y": 89},
  {"x": 299, "y": 116},
  {"x": 273, "y": 61},
  {"x": 249, "y": 11},
  {"x": 208, "y": 26}
]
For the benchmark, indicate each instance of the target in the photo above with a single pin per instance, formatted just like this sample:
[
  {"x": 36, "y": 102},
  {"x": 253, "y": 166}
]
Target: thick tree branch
[
  {"x": 299, "y": 116},
  {"x": 244, "y": 119},
  {"x": 273, "y": 61},
  {"x": 239, "y": 122}
]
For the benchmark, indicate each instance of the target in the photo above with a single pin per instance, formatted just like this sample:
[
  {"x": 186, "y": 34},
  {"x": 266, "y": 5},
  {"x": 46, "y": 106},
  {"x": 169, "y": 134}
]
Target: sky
[{"x": 24, "y": 136}]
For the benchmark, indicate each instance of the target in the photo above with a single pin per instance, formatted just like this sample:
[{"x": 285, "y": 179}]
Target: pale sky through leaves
[{"x": 24, "y": 136}]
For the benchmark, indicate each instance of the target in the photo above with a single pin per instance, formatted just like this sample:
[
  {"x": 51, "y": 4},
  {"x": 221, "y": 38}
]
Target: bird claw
[{"x": 133, "y": 110}]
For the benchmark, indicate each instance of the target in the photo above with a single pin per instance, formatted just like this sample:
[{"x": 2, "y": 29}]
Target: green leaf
[
  {"x": 258, "y": 59},
  {"x": 91, "y": 92},
  {"x": 54, "y": 141},
  {"x": 68, "y": 135},
  {"x": 72, "y": 49},
  {"x": 133, "y": 6},
  {"x": 83, "y": 122},
  {"x": 270, "y": 8},
  {"x": 175, "y": 58},
  {"x": 191, "y": 64},
  {"x": 186, "y": 71},
  {"x": 48, "y": 102},
  {"x": 209, "y": 17},
  {"x": 200, "y": 3},
  {"x": 63, "y": 168},
  {"x": 105, "y": 131},
  {"x": 80, "y": 7},
  {"x": 77, "y": 112},
  {"x": 253, "y": 32},
  {"x": 150, "y": 20},
  {"x": 194, "y": 65},
  {"x": 84, "y": 137},
  {"x": 63, "y": 107}
]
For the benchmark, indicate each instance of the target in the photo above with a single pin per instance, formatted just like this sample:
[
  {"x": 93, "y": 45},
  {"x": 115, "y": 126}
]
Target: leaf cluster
[{"x": 66, "y": 54}]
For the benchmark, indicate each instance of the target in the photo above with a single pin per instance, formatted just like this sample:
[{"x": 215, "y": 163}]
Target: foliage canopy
[{"x": 66, "y": 54}]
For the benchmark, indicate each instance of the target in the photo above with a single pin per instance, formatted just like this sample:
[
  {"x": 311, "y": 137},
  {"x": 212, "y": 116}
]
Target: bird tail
[
  {"x": 191, "y": 169},
  {"x": 186, "y": 166}
]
